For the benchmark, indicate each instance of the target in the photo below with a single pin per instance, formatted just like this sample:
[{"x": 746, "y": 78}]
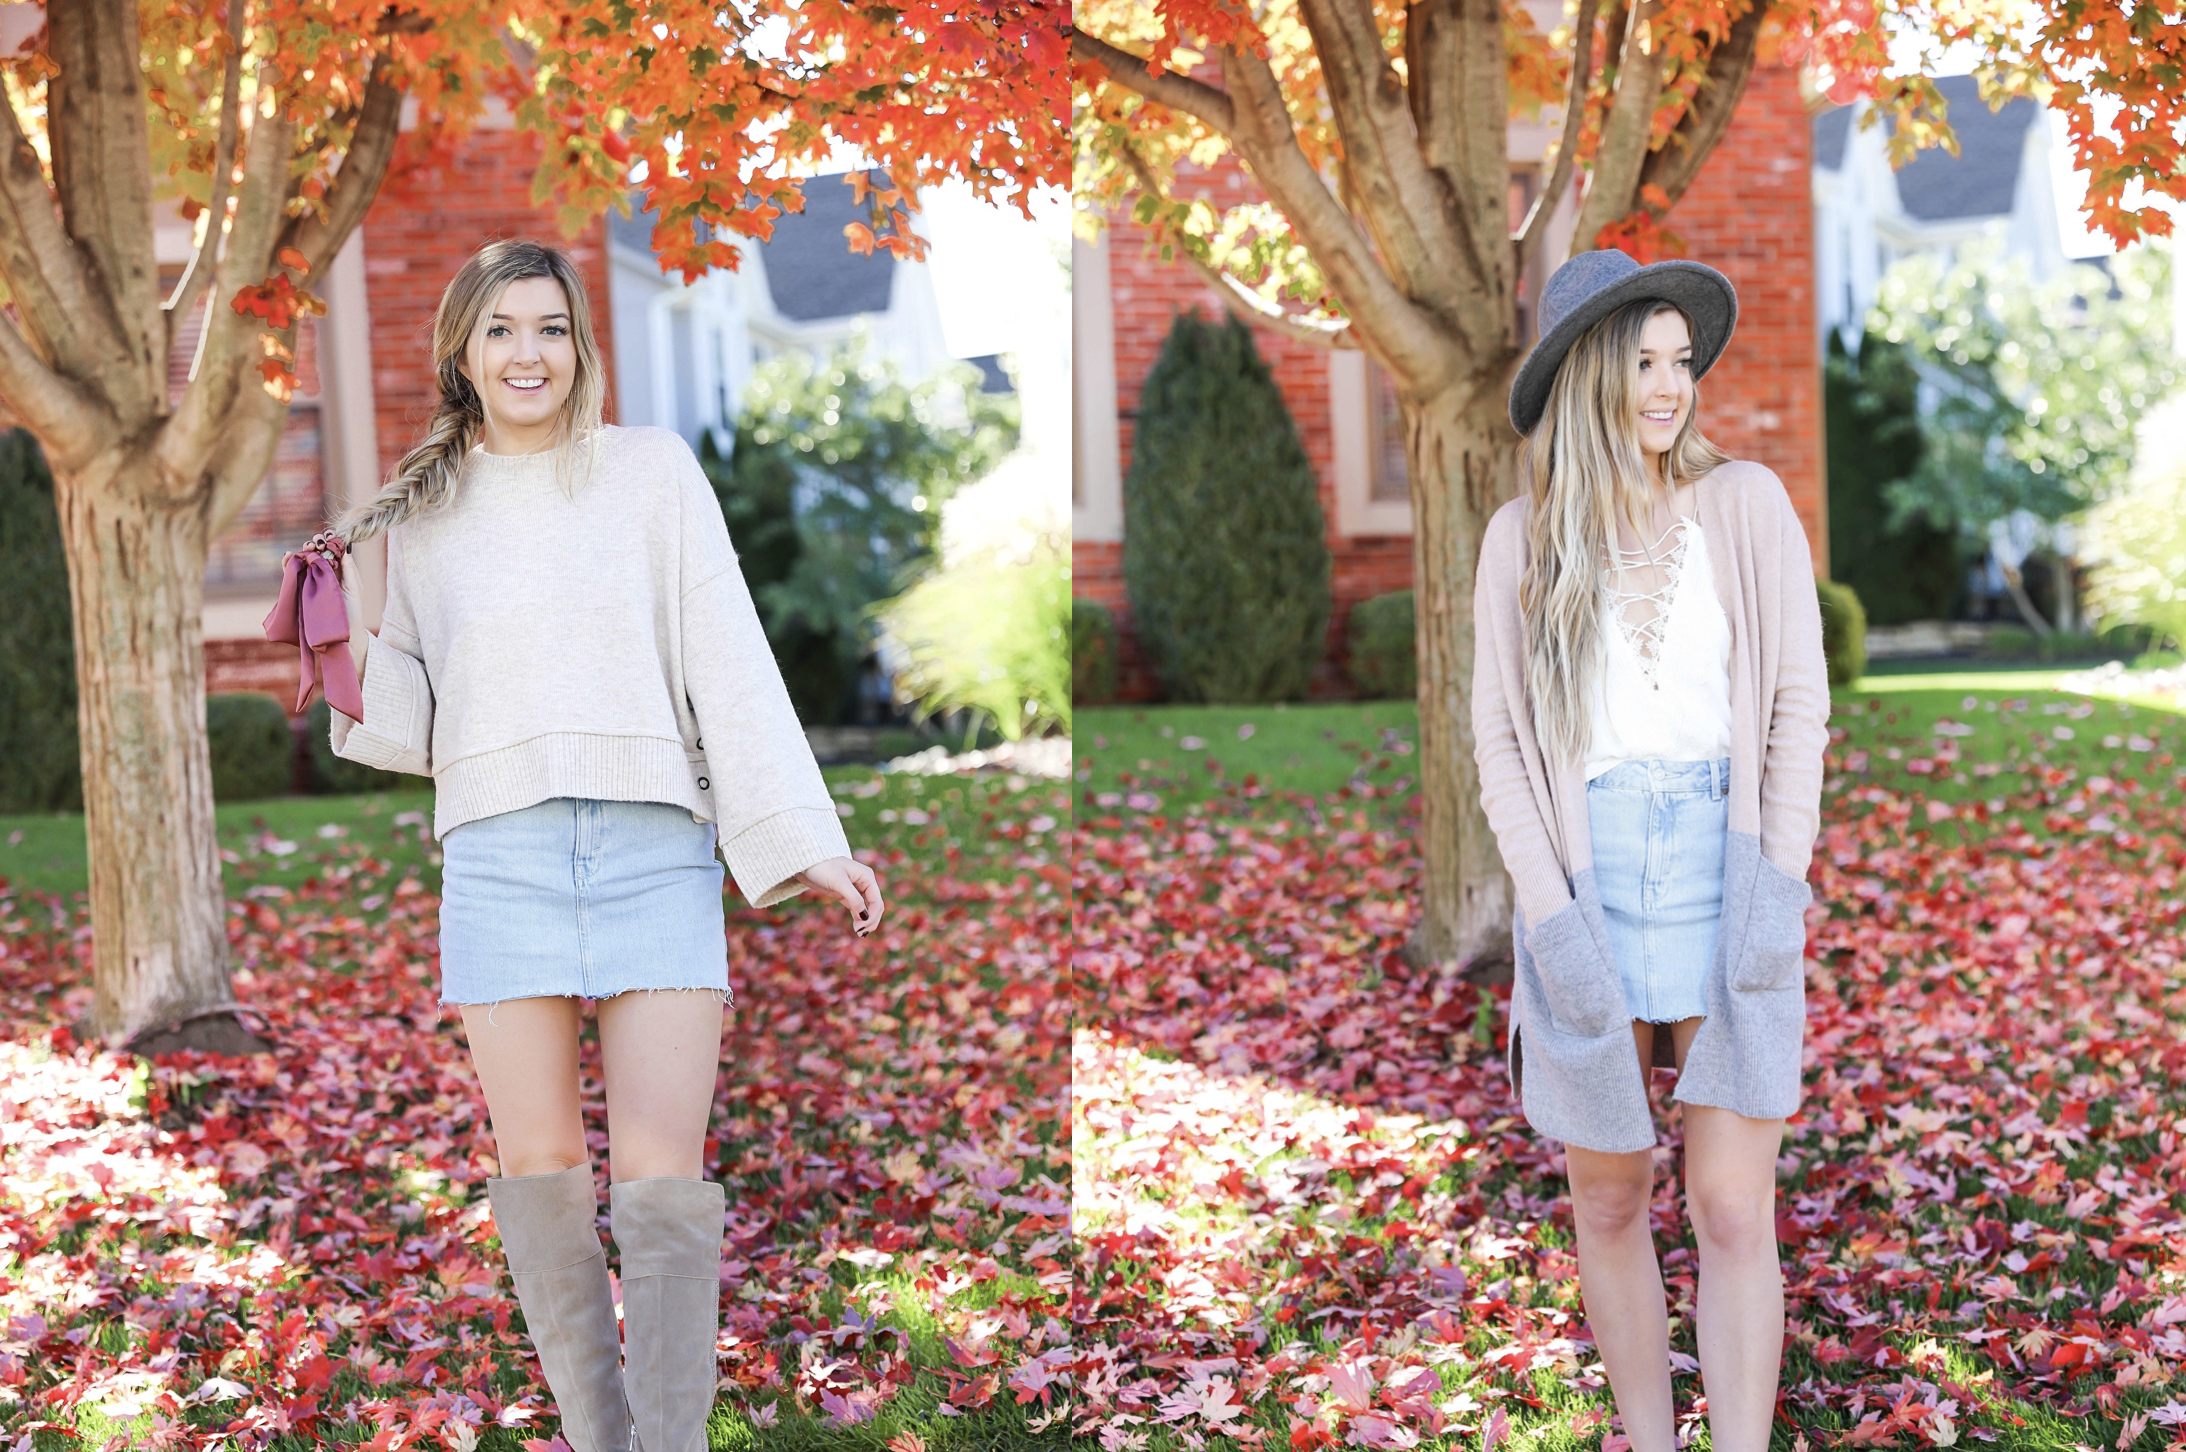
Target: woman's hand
[{"x": 851, "y": 883}]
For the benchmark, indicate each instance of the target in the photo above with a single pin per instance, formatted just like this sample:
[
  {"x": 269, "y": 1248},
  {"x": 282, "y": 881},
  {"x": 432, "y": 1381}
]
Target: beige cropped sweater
[{"x": 537, "y": 646}]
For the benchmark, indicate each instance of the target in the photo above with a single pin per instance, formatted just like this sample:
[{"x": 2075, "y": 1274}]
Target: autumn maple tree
[
  {"x": 1376, "y": 134},
  {"x": 276, "y": 123}
]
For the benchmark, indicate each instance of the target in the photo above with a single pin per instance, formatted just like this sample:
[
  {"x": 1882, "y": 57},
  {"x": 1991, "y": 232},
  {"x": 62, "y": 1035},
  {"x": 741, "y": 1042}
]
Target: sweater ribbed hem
[
  {"x": 565, "y": 764},
  {"x": 765, "y": 855}
]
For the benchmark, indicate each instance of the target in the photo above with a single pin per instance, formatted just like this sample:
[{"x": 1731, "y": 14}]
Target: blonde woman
[
  {"x": 569, "y": 650},
  {"x": 1650, "y": 708}
]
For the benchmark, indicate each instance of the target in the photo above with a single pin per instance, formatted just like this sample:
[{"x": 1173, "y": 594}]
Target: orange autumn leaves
[{"x": 715, "y": 112}]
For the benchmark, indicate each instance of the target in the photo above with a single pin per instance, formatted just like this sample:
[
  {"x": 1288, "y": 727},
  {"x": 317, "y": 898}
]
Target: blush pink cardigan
[{"x": 1572, "y": 1060}]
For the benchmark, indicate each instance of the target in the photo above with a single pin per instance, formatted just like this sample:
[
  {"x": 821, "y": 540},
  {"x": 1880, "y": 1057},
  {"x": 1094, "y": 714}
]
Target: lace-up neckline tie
[{"x": 1647, "y": 638}]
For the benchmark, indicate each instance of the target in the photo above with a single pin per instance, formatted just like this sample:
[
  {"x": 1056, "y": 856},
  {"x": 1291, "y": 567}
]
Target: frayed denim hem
[{"x": 726, "y": 996}]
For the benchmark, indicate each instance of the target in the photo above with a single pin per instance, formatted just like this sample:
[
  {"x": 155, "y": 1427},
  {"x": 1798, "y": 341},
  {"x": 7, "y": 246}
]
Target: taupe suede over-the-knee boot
[
  {"x": 554, "y": 1256},
  {"x": 668, "y": 1232}
]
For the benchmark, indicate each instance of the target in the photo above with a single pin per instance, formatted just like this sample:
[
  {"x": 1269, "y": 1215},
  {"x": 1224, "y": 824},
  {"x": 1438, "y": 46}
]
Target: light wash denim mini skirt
[
  {"x": 1658, "y": 829},
  {"x": 581, "y": 897}
]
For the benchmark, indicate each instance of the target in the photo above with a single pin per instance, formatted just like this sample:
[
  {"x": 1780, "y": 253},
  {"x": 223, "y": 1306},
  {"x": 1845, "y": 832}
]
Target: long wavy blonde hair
[
  {"x": 1584, "y": 468},
  {"x": 426, "y": 477}
]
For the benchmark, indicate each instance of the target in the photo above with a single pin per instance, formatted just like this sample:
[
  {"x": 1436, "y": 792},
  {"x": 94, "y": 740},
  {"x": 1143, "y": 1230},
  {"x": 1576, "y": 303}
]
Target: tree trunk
[
  {"x": 1461, "y": 455},
  {"x": 136, "y": 569}
]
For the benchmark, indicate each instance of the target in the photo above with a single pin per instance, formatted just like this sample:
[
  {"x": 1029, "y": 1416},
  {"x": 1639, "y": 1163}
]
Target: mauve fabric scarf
[{"x": 311, "y": 616}]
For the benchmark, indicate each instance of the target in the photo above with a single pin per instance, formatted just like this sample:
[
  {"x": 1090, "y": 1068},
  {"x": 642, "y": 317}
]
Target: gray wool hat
[{"x": 1590, "y": 287}]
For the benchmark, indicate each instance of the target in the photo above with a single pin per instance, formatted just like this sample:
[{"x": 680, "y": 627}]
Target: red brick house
[{"x": 1750, "y": 213}]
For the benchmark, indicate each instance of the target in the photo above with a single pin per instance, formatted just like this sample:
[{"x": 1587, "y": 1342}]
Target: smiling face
[
  {"x": 1663, "y": 394},
  {"x": 522, "y": 359}
]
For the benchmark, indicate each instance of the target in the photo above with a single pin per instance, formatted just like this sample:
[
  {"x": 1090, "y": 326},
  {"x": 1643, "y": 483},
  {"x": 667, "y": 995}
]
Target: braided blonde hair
[
  {"x": 426, "y": 477},
  {"x": 1584, "y": 467}
]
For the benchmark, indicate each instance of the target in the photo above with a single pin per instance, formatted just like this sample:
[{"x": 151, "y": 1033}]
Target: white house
[
  {"x": 685, "y": 352},
  {"x": 1867, "y": 216}
]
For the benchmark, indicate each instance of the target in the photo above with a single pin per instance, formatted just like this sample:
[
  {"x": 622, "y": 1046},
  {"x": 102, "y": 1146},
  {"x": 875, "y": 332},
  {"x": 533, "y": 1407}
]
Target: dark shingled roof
[
  {"x": 1936, "y": 186},
  {"x": 993, "y": 377},
  {"x": 811, "y": 271},
  {"x": 1981, "y": 180}
]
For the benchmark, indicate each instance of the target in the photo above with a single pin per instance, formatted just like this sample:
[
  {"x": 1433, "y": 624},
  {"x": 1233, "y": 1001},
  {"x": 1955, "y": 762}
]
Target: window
[{"x": 1390, "y": 477}]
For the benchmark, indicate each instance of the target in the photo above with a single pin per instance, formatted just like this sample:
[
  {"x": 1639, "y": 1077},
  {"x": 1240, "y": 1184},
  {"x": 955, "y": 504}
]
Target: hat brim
[{"x": 1705, "y": 294}]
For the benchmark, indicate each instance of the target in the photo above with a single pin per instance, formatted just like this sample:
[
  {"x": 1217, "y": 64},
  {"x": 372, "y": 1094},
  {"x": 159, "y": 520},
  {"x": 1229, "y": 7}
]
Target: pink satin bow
[{"x": 311, "y": 616}]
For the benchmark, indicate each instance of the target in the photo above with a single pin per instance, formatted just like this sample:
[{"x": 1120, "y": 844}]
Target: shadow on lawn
[
  {"x": 1306, "y": 1203},
  {"x": 295, "y": 1250}
]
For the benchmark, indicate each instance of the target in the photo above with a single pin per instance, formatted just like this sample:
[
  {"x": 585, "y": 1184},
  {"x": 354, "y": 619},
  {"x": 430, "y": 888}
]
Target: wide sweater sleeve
[
  {"x": 1798, "y": 734},
  {"x": 1503, "y": 729},
  {"x": 396, "y": 733},
  {"x": 776, "y": 816}
]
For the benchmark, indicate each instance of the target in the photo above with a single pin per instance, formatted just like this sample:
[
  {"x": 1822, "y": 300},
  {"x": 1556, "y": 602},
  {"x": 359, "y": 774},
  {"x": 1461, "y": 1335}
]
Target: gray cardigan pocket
[
  {"x": 1774, "y": 950},
  {"x": 1584, "y": 994}
]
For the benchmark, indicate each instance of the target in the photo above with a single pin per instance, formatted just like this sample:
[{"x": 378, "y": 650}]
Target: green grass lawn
[
  {"x": 2003, "y": 738},
  {"x": 1986, "y": 751},
  {"x": 287, "y": 841}
]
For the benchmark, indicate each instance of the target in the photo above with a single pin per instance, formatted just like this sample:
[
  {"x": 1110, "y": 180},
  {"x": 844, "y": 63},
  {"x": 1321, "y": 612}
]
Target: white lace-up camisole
[{"x": 1664, "y": 690}]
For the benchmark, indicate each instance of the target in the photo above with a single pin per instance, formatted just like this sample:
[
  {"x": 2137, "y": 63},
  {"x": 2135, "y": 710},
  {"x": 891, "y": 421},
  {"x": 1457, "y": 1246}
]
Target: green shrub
[
  {"x": 1225, "y": 557},
  {"x": 2011, "y": 642},
  {"x": 253, "y": 749},
  {"x": 1384, "y": 658},
  {"x": 338, "y": 774},
  {"x": 1872, "y": 424},
  {"x": 1092, "y": 652},
  {"x": 989, "y": 634},
  {"x": 1844, "y": 631},
  {"x": 2137, "y": 540},
  {"x": 833, "y": 492},
  {"x": 2017, "y": 642},
  {"x": 40, "y": 769}
]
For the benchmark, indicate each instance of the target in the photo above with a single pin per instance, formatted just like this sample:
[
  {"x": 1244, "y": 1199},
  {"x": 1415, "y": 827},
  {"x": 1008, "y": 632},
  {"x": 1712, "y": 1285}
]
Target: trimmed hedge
[
  {"x": 253, "y": 749},
  {"x": 1844, "y": 631},
  {"x": 1226, "y": 558},
  {"x": 1092, "y": 652},
  {"x": 331, "y": 774},
  {"x": 40, "y": 766},
  {"x": 1384, "y": 658}
]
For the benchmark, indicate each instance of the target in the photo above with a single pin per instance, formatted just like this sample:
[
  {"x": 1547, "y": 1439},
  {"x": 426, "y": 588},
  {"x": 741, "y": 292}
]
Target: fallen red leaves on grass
[
  {"x": 201, "y": 1250},
  {"x": 1309, "y": 1213}
]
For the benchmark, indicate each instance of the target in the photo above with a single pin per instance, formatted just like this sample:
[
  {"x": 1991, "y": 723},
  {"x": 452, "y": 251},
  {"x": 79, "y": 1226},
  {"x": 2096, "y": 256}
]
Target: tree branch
[
  {"x": 229, "y": 346},
  {"x": 1410, "y": 210},
  {"x": 364, "y": 167},
  {"x": 1535, "y": 227},
  {"x": 1165, "y": 88},
  {"x": 1403, "y": 337},
  {"x": 70, "y": 426},
  {"x": 207, "y": 256},
  {"x": 55, "y": 297},
  {"x": 251, "y": 436},
  {"x": 95, "y": 128},
  {"x": 1623, "y": 150},
  {"x": 1252, "y": 308},
  {"x": 1242, "y": 301},
  {"x": 1674, "y": 166}
]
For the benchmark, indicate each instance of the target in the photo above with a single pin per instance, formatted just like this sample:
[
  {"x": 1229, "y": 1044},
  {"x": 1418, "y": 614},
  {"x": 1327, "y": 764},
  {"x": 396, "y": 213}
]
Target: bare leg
[
  {"x": 1730, "y": 1192},
  {"x": 525, "y": 1053},
  {"x": 1621, "y": 1282},
  {"x": 661, "y": 1052}
]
